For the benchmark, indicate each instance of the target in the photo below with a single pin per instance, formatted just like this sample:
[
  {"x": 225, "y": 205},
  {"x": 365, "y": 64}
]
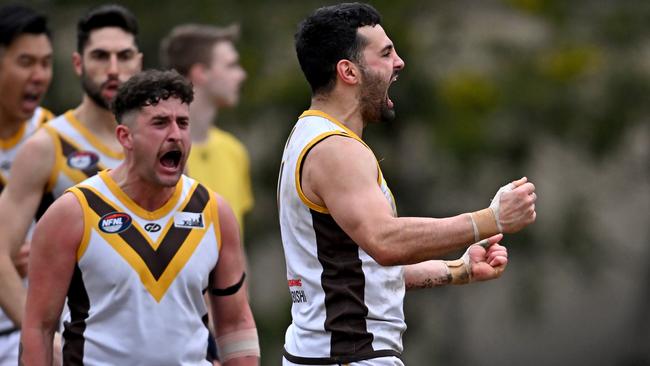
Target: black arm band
[{"x": 229, "y": 290}]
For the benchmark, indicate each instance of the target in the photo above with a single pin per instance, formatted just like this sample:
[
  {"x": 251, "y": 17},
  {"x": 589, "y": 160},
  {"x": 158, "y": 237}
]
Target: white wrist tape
[
  {"x": 241, "y": 343},
  {"x": 460, "y": 270},
  {"x": 494, "y": 205}
]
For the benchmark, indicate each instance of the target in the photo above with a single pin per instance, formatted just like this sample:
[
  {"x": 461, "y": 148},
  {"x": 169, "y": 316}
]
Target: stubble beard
[
  {"x": 94, "y": 91},
  {"x": 374, "y": 105}
]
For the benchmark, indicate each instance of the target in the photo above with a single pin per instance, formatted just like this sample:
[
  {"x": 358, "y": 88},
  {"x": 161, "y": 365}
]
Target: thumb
[
  {"x": 486, "y": 243},
  {"x": 520, "y": 181}
]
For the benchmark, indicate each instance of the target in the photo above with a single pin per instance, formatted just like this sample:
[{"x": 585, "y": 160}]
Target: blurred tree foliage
[{"x": 492, "y": 90}]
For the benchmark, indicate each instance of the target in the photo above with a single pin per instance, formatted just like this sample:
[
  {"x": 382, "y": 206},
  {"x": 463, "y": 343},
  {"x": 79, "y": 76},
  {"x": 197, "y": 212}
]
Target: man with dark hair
[
  {"x": 71, "y": 147},
  {"x": 142, "y": 243},
  {"x": 349, "y": 257},
  {"x": 206, "y": 55},
  {"x": 25, "y": 74}
]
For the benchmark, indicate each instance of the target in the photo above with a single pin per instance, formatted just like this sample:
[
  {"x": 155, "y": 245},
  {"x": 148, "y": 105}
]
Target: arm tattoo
[{"x": 430, "y": 282}]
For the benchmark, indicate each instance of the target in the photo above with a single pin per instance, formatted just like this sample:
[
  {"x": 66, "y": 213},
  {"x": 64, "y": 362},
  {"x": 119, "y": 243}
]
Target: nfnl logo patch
[
  {"x": 114, "y": 222},
  {"x": 188, "y": 220},
  {"x": 82, "y": 160}
]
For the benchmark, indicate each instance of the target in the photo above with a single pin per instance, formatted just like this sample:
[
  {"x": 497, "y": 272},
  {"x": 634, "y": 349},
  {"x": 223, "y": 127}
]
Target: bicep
[
  {"x": 343, "y": 174},
  {"x": 52, "y": 259},
  {"x": 230, "y": 312}
]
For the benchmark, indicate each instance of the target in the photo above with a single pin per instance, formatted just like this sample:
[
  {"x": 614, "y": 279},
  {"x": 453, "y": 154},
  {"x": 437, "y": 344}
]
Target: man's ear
[
  {"x": 197, "y": 74},
  {"x": 77, "y": 63},
  {"x": 124, "y": 137},
  {"x": 348, "y": 72}
]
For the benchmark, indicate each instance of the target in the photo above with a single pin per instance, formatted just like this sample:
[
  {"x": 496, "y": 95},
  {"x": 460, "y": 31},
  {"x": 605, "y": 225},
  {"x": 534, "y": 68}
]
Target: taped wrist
[
  {"x": 241, "y": 343},
  {"x": 484, "y": 223},
  {"x": 458, "y": 271}
]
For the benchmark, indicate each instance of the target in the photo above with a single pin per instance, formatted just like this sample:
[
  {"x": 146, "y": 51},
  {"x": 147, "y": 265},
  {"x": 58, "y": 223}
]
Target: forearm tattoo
[{"x": 429, "y": 282}]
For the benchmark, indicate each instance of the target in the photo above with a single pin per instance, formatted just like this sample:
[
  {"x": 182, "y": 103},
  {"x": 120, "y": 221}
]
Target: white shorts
[
  {"x": 9, "y": 349},
  {"x": 379, "y": 361}
]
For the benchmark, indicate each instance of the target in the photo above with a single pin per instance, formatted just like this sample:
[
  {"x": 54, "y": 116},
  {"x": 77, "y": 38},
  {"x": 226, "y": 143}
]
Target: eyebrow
[{"x": 388, "y": 47}]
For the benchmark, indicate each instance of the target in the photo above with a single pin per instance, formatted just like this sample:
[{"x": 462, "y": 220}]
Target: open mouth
[
  {"x": 171, "y": 159},
  {"x": 389, "y": 102},
  {"x": 30, "y": 100}
]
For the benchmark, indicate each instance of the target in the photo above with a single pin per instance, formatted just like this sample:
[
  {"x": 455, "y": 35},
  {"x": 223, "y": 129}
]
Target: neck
[
  {"x": 345, "y": 108},
  {"x": 146, "y": 194},
  {"x": 97, "y": 119},
  {"x": 9, "y": 125},
  {"x": 203, "y": 113}
]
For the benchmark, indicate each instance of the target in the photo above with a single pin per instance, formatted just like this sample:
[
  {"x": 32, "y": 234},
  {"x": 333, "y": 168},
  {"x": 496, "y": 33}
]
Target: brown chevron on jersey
[{"x": 158, "y": 259}]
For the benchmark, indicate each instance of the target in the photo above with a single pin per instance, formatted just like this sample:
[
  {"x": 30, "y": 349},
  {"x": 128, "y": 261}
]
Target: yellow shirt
[{"x": 221, "y": 163}]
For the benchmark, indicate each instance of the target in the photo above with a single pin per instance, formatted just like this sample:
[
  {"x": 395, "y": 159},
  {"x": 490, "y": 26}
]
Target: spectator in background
[{"x": 206, "y": 55}]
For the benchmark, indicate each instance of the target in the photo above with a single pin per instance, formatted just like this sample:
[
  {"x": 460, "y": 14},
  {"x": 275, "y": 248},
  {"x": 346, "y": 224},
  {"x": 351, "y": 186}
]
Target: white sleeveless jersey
[
  {"x": 8, "y": 150},
  {"x": 346, "y": 307},
  {"x": 9, "y": 147},
  {"x": 136, "y": 295},
  {"x": 79, "y": 154}
]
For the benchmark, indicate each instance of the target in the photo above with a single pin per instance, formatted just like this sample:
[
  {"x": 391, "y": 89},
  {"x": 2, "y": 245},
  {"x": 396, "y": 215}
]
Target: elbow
[{"x": 382, "y": 252}]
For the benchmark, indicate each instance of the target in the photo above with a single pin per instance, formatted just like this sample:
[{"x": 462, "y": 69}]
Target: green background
[{"x": 492, "y": 90}]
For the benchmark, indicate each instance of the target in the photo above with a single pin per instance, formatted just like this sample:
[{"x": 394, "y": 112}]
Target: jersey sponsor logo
[
  {"x": 152, "y": 227},
  {"x": 114, "y": 222},
  {"x": 188, "y": 220},
  {"x": 82, "y": 160},
  {"x": 295, "y": 282},
  {"x": 297, "y": 294}
]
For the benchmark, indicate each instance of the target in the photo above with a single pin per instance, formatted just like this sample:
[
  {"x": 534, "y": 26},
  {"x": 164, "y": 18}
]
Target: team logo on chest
[
  {"x": 114, "y": 222},
  {"x": 82, "y": 160}
]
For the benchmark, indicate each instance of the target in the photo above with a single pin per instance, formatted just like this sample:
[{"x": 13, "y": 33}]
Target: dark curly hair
[
  {"x": 149, "y": 87},
  {"x": 328, "y": 36}
]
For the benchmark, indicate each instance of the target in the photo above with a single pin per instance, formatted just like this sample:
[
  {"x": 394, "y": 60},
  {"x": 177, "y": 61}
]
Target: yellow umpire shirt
[{"x": 221, "y": 163}]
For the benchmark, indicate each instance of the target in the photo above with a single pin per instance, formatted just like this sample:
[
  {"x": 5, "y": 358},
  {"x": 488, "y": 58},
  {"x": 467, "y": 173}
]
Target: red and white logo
[{"x": 114, "y": 222}]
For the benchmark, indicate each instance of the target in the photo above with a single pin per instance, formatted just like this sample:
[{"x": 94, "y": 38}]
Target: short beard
[
  {"x": 93, "y": 91},
  {"x": 374, "y": 106}
]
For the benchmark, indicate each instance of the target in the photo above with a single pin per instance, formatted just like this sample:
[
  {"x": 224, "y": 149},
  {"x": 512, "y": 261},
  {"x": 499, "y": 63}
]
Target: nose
[
  {"x": 42, "y": 74},
  {"x": 174, "y": 132},
  {"x": 112, "y": 65},
  {"x": 398, "y": 64}
]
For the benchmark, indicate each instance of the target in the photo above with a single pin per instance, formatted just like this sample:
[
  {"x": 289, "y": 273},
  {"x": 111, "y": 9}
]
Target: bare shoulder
[
  {"x": 340, "y": 147},
  {"x": 227, "y": 220},
  {"x": 65, "y": 212},
  {"x": 337, "y": 164},
  {"x": 37, "y": 154}
]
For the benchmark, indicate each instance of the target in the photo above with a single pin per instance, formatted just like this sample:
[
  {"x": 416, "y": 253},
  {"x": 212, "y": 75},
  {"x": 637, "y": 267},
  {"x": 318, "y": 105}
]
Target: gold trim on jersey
[
  {"x": 157, "y": 264},
  {"x": 85, "y": 239},
  {"x": 61, "y": 163},
  {"x": 298, "y": 174},
  {"x": 92, "y": 138},
  {"x": 128, "y": 202},
  {"x": 46, "y": 115},
  {"x": 317, "y": 113},
  {"x": 8, "y": 143},
  {"x": 346, "y": 133}
]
